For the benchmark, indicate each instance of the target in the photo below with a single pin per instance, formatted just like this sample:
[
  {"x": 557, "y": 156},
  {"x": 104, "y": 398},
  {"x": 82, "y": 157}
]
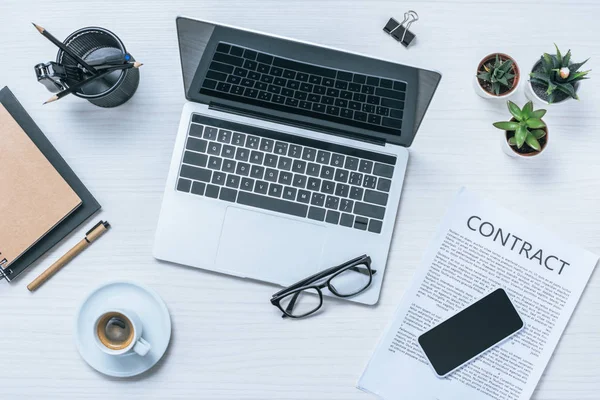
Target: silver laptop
[{"x": 289, "y": 158}]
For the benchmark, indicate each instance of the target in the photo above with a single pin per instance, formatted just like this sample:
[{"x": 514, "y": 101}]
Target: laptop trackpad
[{"x": 269, "y": 248}]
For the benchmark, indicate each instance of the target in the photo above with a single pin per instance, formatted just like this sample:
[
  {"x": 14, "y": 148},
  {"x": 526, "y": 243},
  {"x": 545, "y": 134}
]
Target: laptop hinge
[{"x": 294, "y": 123}]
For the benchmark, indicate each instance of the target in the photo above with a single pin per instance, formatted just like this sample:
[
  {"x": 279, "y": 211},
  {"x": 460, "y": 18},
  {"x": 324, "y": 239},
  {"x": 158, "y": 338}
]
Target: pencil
[
  {"x": 79, "y": 85},
  {"x": 64, "y": 48}
]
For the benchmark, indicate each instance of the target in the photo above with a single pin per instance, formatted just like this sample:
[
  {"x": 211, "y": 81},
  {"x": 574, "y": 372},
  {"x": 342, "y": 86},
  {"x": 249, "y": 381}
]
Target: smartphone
[{"x": 471, "y": 332}]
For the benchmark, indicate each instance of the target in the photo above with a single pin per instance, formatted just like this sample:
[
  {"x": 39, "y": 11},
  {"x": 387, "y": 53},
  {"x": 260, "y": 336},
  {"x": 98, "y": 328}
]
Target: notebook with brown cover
[{"x": 34, "y": 197}]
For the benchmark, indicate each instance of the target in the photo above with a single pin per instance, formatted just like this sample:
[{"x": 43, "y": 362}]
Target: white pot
[
  {"x": 488, "y": 96},
  {"x": 531, "y": 95}
]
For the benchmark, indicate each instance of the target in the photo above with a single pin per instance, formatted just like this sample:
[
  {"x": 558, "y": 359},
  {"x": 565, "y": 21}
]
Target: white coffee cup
[{"x": 118, "y": 331}]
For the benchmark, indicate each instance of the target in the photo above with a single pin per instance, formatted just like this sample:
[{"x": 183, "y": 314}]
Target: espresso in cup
[
  {"x": 120, "y": 331},
  {"x": 115, "y": 330}
]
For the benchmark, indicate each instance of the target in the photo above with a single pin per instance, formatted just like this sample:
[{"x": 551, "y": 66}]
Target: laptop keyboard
[
  {"x": 287, "y": 174},
  {"x": 252, "y": 77}
]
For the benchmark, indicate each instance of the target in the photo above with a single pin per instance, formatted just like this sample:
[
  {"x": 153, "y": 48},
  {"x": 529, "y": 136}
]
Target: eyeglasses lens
[
  {"x": 301, "y": 303},
  {"x": 352, "y": 280}
]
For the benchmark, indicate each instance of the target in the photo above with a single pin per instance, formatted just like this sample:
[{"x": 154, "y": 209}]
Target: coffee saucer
[{"x": 153, "y": 313}]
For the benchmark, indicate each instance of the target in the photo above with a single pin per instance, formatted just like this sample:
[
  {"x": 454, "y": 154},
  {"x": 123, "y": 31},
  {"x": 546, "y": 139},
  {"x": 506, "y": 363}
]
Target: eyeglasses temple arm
[
  {"x": 290, "y": 306},
  {"x": 306, "y": 281},
  {"x": 363, "y": 271},
  {"x": 318, "y": 276}
]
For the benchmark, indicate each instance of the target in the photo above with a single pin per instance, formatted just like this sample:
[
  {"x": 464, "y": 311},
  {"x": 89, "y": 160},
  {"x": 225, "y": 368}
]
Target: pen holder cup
[{"x": 113, "y": 89}]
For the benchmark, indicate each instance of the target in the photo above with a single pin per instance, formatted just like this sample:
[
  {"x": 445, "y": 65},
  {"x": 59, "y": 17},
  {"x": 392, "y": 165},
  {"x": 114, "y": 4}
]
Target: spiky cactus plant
[
  {"x": 558, "y": 74},
  {"x": 497, "y": 74}
]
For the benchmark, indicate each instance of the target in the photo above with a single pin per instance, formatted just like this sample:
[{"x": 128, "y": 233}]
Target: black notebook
[{"x": 88, "y": 207}]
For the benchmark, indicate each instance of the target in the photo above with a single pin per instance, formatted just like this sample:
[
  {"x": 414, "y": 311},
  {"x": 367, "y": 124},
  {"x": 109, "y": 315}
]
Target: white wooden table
[{"x": 228, "y": 342}]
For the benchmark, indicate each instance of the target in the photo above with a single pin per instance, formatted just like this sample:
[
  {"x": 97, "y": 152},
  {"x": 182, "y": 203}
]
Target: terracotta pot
[{"x": 487, "y": 95}]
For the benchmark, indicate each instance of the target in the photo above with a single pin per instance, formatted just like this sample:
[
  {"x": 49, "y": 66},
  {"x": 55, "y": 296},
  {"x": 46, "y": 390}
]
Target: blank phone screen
[{"x": 470, "y": 332}]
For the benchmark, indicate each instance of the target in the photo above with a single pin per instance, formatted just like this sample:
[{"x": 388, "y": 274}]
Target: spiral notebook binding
[{"x": 4, "y": 273}]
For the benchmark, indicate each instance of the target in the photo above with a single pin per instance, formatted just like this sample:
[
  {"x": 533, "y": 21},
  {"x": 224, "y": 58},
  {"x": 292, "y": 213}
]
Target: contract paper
[{"x": 480, "y": 247}]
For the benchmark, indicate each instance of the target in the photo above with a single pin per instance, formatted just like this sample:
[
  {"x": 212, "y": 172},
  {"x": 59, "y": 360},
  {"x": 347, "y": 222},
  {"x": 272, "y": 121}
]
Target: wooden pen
[{"x": 98, "y": 230}]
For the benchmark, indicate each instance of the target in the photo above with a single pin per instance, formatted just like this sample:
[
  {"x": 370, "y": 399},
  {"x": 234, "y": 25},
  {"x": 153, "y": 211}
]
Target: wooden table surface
[{"x": 228, "y": 342}]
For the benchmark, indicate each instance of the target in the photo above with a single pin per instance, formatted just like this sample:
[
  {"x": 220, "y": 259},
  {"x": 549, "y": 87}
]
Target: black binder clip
[{"x": 400, "y": 31}]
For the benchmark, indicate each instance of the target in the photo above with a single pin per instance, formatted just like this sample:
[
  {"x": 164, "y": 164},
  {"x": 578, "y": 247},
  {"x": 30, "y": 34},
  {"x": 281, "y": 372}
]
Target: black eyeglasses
[{"x": 305, "y": 297}]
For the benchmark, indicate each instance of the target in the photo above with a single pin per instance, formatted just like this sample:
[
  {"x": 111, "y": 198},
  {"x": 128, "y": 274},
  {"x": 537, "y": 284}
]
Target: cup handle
[{"x": 142, "y": 347}]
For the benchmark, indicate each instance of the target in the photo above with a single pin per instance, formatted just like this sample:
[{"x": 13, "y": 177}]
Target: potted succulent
[
  {"x": 526, "y": 134},
  {"x": 555, "y": 79},
  {"x": 497, "y": 77}
]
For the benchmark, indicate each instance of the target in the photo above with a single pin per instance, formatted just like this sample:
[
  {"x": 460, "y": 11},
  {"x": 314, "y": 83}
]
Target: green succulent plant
[
  {"x": 558, "y": 73},
  {"x": 528, "y": 126},
  {"x": 497, "y": 74}
]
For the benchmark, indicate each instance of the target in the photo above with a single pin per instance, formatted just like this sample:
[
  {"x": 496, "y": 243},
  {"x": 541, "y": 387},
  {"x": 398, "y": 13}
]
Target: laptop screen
[{"x": 303, "y": 84}]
